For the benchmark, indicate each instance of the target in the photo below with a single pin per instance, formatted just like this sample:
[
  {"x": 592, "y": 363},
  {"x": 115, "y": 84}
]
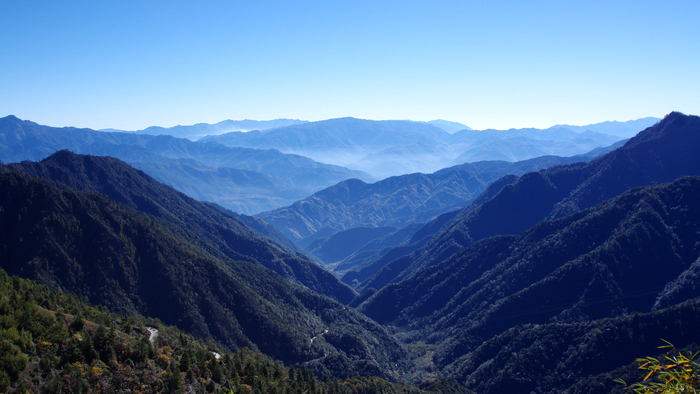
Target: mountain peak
[{"x": 667, "y": 131}]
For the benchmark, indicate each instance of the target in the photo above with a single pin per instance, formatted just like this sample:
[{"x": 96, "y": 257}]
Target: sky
[{"x": 486, "y": 64}]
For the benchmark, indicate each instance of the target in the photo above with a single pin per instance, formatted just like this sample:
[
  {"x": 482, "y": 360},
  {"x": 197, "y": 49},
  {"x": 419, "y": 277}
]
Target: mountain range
[
  {"x": 318, "y": 222},
  {"x": 199, "y": 130},
  {"x": 632, "y": 254},
  {"x": 554, "y": 277},
  {"x": 387, "y": 148},
  {"x": 245, "y": 180},
  {"x": 284, "y": 161}
]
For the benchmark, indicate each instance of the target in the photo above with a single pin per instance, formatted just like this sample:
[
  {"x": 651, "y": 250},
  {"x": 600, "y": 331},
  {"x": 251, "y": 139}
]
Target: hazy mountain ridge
[
  {"x": 240, "y": 190},
  {"x": 622, "y": 129},
  {"x": 341, "y": 141},
  {"x": 298, "y": 176},
  {"x": 658, "y": 154},
  {"x": 199, "y": 130},
  {"x": 522, "y": 148},
  {"x": 375, "y": 146},
  {"x": 448, "y": 126}
]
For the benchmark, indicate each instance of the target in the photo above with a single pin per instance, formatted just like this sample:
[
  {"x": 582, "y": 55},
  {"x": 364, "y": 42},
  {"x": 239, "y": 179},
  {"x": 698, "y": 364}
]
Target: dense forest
[{"x": 53, "y": 342}]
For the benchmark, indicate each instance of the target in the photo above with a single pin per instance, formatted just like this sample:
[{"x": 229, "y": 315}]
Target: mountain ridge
[
  {"x": 219, "y": 233},
  {"x": 372, "y": 146},
  {"x": 561, "y": 190},
  {"x": 199, "y": 130}
]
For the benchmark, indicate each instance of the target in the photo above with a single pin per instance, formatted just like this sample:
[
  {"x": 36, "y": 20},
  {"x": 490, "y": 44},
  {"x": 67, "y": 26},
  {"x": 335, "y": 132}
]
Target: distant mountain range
[
  {"x": 245, "y": 180},
  {"x": 336, "y": 141},
  {"x": 386, "y": 148},
  {"x": 199, "y": 130},
  {"x": 252, "y": 175},
  {"x": 621, "y": 129}
]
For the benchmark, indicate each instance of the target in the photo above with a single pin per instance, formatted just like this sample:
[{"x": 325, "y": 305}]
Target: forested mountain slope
[
  {"x": 396, "y": 201},
  {"x": 658, "y": 154},
  {"x": 365, "y": 264},
  {"x": 636, "y": 253},
  {"x": 581, "y": 357},
  {"x": 221, "y": 234},
  {"x": 370, "y": 258},
  {"x": 112, "y": 255},
  {"x": 54, "y": 342}
]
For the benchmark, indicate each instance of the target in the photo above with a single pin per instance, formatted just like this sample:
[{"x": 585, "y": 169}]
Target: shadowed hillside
[
  {"x": 219, "y": 233},
  {"x": 109, "y": 254},
  {"x": 632, "y": 254}
]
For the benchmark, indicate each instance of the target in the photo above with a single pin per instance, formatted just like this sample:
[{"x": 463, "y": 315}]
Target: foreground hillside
[
  {"x": 53, "y": 342},
  {"x": 110, "y": 254}
]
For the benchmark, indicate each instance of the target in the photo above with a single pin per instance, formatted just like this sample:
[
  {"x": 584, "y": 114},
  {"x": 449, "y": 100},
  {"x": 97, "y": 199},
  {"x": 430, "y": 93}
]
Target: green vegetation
[
  {"x": 676, "y": 372},
  {"x": 54, "y": 342}
]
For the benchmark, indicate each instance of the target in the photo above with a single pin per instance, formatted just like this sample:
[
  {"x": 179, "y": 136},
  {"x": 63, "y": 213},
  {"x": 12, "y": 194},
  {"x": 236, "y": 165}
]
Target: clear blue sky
[{"x": 496, "y": 64}]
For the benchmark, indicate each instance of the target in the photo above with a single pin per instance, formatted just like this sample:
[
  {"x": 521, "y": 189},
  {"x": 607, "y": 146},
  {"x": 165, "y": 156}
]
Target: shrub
[{"x": 677, "y": 372}]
